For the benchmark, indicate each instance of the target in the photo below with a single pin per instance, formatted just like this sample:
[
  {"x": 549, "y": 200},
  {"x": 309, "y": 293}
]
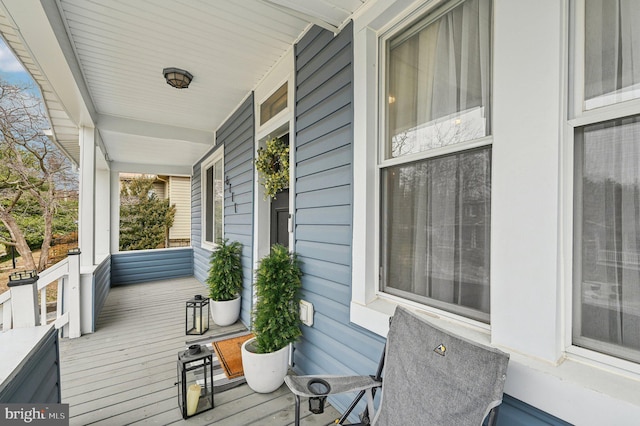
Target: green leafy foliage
[
  {"x": 273, "y": 166},
  {"x": 29, "y": 217},
  {"x": 144, "y": 218},
  {"x": 276, "y": 316},
  {"x": 225, "y": 271}
]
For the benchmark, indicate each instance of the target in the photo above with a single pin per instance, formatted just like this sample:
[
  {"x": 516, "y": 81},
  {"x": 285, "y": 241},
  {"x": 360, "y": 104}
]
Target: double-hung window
[
  {"x": 606, "y": 291},
  {"x": 435, "y": 160},
  {"x": 212, "y": 198}
]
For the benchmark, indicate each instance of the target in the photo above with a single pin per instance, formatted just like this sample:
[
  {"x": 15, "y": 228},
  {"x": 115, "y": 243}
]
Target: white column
[
  {"x": 115, "y": 211},
  {"x": 529, "y": 96},
  {"x": 364, "y": 158},
  {"x": 74, "y": 306},
  {"x": 102, "y": 208},
  {"x": 86, "y": 214}
]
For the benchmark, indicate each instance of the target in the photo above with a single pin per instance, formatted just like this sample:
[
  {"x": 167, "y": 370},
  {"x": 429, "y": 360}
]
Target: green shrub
[
  {"x": 276, "y": 316},
  {"x": 225, "y": 271}
]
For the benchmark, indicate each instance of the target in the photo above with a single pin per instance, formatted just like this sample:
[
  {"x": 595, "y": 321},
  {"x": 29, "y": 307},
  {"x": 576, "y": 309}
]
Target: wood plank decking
[{"x": 124, "y": 373}]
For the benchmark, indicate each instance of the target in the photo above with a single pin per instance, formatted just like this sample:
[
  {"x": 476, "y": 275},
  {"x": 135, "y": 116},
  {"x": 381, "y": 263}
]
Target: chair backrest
[{"x": 435, "y": 378}]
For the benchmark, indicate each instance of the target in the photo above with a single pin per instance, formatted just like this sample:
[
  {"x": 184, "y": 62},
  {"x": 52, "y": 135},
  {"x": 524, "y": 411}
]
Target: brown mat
[{"x": 230, "y": 356}]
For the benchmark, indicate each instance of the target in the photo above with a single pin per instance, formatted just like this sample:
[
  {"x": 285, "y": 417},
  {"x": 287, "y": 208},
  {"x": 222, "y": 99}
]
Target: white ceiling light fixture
[{"x": 180, "y": 79}]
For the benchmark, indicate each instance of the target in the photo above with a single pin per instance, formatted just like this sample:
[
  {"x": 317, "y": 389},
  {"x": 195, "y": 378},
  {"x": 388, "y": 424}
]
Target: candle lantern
[
  {"x": 197, "y": 315},
  {"x": 195, "y": 381}
]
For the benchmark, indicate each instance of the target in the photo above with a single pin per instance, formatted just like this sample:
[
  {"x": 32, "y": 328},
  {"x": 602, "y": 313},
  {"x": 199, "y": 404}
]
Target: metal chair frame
[{"x": 370, "y": 391}]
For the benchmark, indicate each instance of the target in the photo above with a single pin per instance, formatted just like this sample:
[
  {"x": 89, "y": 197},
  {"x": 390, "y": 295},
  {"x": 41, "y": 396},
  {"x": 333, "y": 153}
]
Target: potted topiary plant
[
  {"x": 276, "y": 320},
  {"x": 225, "y": 282}
]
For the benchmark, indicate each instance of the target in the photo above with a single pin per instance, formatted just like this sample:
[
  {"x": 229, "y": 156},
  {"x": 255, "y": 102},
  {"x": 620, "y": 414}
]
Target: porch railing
[{"x": 67, "y": 273}]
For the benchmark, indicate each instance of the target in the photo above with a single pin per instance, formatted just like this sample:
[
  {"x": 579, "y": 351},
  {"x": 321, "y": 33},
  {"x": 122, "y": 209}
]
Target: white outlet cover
[{"x": 306, "y": 313}]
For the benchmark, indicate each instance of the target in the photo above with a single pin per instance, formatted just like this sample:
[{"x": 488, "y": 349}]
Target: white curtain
[
  {"x": 438, "y": 221},
  {"x": 612, "y": 51},
  {"x": 439, "y": 81},
  {"x": 610, "y": 288},
  {"x": 437, "y": 211}
]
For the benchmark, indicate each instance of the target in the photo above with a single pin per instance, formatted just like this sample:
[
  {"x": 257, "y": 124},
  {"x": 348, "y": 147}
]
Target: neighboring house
[
  {"x": 177, "y": 189},
  {"x": 476, "y": 161}
]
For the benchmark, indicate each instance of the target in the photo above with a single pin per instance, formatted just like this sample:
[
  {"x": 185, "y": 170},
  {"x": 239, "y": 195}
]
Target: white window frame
[
  {"x": 580, "y": 117},
  {"x": 280, "y": 123},
  {"x": 217, "y": 155},
  {"x": 370, "y": 307}
]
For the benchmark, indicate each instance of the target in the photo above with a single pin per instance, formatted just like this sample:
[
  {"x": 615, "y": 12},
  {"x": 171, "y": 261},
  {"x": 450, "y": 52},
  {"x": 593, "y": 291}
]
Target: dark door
[{"x": 280, "y": 218}]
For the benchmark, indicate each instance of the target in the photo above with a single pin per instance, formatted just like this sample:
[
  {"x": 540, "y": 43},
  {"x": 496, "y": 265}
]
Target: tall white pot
[
  {"x": 226, "y": 312},
  {"x": 264, "y": 372}
]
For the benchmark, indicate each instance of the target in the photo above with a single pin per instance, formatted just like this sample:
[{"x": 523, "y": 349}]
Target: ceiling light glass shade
[{"x": 177, "y": 78}]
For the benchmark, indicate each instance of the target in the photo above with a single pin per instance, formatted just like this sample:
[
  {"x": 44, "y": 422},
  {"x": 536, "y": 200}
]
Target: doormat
[
  {"x": 230, "y": 356},
  {"x": 220, "y": 380}
]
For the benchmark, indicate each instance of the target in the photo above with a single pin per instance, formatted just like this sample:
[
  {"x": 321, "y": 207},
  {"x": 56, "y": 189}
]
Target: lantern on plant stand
[
  {"x": 197, "y": 315},
  {"x": 195, "y": 381}
]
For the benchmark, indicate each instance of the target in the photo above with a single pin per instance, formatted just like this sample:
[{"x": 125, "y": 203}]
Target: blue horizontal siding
[
  {"x": 329, "y": 178},
  {"x": 333, "y": 234},
  {"x": 332, "y": 57},
  {"x": 200, "y": 255},
  {"x": 514, "y": 412},
  {"x": 101, "y": 287},
  {"x": 318, "y": 146},
  {"x": 150, "y": 265},
  {"x": 326, "y": 125},
  {"x": 330, "y": 105},
  {"x": 323, "y": 197},
  {"x": 307, "y": 47},
  {"x": 333, "y": 159},
  {"x": 37, "y": 379},
  {"x": 332, "y": 215},
  {"x": 201, "y": 264},
  {"x": 340, "y": 254},
  {"x": 333, "y": 291},
  {"x": 236, "y": 136},
  {"x": 334, "y": 82},
  {"x": 323, "y": 208},
  {"x": 329, "y": 271}
]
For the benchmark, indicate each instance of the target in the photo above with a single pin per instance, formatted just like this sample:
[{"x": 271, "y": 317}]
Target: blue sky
[{"x": 12, "y": 71}]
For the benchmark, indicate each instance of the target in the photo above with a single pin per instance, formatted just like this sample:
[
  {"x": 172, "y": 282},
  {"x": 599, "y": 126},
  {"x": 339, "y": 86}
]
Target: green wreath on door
[{"x": 273, "y": 166}]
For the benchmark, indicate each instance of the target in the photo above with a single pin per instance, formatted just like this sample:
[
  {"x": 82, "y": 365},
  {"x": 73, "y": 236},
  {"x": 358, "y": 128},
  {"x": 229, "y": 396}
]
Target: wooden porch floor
[{"x": 124, "y": 373}]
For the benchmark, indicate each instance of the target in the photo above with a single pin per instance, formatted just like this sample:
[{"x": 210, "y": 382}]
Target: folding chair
[{"x": 431, "y": 377}]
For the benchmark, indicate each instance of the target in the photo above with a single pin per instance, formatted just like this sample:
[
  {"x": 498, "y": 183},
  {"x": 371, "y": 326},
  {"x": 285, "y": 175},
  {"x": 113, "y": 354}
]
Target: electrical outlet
[{"x": 306, "y": 313}]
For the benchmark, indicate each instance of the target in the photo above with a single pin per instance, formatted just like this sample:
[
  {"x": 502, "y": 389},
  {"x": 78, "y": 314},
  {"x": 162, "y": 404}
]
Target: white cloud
[{"x": 8, "y": 62}]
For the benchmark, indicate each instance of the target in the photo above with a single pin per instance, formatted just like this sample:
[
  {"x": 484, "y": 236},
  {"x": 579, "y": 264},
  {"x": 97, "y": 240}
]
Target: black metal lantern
[
  {"x": 195, "y": 380},
  {"x": 197, "y": 315}
]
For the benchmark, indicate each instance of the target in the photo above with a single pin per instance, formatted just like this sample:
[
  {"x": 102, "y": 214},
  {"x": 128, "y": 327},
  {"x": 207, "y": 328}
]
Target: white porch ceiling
[{"x": 116, "y": 51}]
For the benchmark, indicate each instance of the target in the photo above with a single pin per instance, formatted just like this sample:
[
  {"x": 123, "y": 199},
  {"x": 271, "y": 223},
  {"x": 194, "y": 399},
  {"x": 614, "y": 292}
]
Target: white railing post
[
  {"x": 43, "y": 306},
  {"x": 24, "y": 299},
  {"x": 74, "y": 293},
  {"x": 62, "y": 312},
  {"x": 6, "y": 312}
]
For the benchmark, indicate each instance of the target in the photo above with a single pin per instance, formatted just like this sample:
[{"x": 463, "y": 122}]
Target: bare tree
[{"x": 32, "y": 170}]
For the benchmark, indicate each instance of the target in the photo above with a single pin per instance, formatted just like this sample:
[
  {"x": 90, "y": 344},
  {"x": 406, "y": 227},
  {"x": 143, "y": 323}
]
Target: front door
[{"x": 280, "y": 218}]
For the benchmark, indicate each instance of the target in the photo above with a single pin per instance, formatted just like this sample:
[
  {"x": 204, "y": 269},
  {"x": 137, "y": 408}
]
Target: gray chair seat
[{"x": 431, "y": 377}]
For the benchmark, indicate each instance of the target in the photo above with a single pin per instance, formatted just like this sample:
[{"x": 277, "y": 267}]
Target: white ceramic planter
[
  {"x": 264, "y": 372},
  {"x": 226, "y": 312}
]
